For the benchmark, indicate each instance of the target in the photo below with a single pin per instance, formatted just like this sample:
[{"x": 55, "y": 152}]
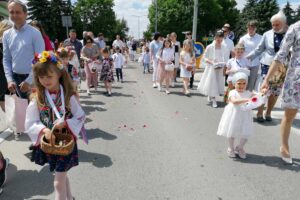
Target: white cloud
[{"x": 130, "y": 10}]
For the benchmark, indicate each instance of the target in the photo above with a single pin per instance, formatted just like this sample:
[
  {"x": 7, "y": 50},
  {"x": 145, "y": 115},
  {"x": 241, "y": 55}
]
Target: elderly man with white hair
[{"x": 267, "y": 49}]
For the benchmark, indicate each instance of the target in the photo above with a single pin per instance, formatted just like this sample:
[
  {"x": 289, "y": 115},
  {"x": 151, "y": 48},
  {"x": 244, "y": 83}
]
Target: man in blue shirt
[{"x": 20, "y": 43}]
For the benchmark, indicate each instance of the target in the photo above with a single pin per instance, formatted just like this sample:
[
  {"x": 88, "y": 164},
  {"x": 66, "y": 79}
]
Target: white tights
[
  {"x": 62, "y": 186},
  {"x": 241, "y": 145}
]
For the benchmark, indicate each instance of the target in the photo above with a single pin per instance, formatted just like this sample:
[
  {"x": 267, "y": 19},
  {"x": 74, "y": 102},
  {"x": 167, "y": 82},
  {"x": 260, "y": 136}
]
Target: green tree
[
  {"x": 289, "y": 13},
  {"x": 98, "y": 16},
  {"x": 49, "y": 13},
  {"x": 177, "y": 16},
  {"x": 260, "y": 10},
  {"x": 121, "y": 27}
]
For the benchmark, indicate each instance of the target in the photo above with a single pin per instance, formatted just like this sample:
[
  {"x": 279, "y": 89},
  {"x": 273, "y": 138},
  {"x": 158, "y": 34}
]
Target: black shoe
[
  {"x": 3, "y": 172},
  {"x": 122, "y": 81},
  {"x": 105, "y": 93},
  {"x": 268, "y": 118},
  {"x": 260, "y": 119}
]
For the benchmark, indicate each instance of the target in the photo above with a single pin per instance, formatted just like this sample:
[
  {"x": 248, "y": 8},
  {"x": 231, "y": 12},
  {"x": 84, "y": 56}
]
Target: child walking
[
  {"x": 237, "y": 123},
  {"x": 234, "y": 65},
  {"x": 64, "y": 57},
  {"x": 53, "y": 106},
  {"x": 186, "y": 60},
  {"x": 107, "y": 71},
  {"x": 165, "y": 57},
  {"x": 146, "y": 60},
  {"x": 118, "y": 63}
]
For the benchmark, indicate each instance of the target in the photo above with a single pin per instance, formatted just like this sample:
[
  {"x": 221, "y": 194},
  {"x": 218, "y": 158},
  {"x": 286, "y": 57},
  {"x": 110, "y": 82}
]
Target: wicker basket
[{"x": 63, "y": 145}]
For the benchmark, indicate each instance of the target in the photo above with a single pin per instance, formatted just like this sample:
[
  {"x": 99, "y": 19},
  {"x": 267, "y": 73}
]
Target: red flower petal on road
[
  {"x": 125, "y": 125},
  {"x": 144, "y": 126}
]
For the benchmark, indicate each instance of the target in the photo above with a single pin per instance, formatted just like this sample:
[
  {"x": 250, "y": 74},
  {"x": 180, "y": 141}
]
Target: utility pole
[
  {"x": 195, "y": 20},
  {"x": 156, "y": 15}
]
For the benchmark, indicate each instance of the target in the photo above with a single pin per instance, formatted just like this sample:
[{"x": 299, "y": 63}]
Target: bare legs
[
  {"x": 271, "y": 103},
  {"x": 62, "y": 186},
  {"x": 286, "y": 124}
]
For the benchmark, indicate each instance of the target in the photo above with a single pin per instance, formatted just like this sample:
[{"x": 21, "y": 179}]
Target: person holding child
[{"x": 54, "y": 107}]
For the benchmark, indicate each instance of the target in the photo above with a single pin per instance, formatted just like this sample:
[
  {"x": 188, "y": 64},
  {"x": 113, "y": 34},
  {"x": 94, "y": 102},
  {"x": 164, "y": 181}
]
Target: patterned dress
[
  {"x": 291, "y": 87},
  {"x": 107, "y": 70},
  {"x": 38, "y": 118}
]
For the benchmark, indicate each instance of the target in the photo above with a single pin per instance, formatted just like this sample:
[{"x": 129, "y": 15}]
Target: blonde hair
[
  {"x": 4, "y": 25},
  {"x": 239, "y": 46},
  {"x": 189, "y": 42}
]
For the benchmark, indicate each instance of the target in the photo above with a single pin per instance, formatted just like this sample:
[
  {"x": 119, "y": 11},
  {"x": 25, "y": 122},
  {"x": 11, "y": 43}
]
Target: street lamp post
[
  {"x": 195, "y": 20},
  {"x": 138, "y": 16},
  {"x": 156, "y": 15}
]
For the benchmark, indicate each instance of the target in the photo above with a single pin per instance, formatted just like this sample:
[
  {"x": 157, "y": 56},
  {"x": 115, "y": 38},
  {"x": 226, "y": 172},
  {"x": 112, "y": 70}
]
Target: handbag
[
  {"x": 64, "y": 142},
  {"x": 189, "y": 68},
  {"x": 169, "y": 67},
  {"x": 14, "y": 112},
  {"x": 277, "y": 79}
]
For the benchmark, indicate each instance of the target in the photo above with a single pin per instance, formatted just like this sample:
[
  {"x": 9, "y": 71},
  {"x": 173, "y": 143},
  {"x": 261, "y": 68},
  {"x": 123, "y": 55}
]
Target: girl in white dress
[
  {"x": 165, "y": 57},
  {"x": 215, "y": 58},
  {"x": 237, "y": 123},
  {"x": 187, "y": 61}
]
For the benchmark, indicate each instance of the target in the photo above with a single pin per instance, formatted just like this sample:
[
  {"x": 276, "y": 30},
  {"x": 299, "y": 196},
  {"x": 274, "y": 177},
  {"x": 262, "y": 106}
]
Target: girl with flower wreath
[
  {"x": 54, "y": 106},
  {"x": 236, "y": 122}
]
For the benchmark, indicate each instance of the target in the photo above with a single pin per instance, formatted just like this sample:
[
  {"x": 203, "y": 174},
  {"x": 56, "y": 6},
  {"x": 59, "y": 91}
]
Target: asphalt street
[{"x": 147, "y": 145}]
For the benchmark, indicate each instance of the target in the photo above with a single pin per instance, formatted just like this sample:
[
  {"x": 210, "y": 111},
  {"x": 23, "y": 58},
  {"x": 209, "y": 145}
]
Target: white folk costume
[
  {"x": 212, "y": 81},
  {"x": 39, "y": 118}
]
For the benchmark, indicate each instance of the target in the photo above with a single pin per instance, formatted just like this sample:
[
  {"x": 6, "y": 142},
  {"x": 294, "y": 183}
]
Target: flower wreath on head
[{"x": 47, "y": 56}]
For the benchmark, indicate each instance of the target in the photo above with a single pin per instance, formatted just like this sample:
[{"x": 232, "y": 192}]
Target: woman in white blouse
[{"x": 165, "y": 58}]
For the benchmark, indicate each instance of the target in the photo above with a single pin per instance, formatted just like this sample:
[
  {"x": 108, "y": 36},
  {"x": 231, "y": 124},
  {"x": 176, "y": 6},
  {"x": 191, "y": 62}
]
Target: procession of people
[{"x": 50, "y": 78}]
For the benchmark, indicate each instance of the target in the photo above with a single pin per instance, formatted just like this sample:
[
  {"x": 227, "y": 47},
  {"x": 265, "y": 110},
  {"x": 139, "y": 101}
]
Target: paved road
[{"x": 145, "y": 145}]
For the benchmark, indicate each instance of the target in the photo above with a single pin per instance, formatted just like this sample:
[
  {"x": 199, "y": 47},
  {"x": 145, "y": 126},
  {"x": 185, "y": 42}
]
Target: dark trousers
[
  {"x": 119, "y": 73},
  {"x": 18, "y": 79},
  {"x": 192, "y": 81}
]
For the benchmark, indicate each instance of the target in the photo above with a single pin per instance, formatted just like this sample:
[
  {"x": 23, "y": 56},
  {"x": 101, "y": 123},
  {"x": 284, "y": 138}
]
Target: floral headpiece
[{"x": 47, "y": 56}]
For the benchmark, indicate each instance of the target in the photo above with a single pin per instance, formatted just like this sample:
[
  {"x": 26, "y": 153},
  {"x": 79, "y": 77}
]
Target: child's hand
[
  {"x": 60, "y": 125},
  {"x": 47, "y": 132}
]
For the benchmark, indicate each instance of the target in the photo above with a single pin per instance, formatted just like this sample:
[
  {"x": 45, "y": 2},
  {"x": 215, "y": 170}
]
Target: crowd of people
[{"x": 49, "y": 77}]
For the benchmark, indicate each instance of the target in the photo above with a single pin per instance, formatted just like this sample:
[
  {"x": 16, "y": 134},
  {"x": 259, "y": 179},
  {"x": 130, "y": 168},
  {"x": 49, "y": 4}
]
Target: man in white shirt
[
  {"x": 118, "y": 43},
  {"x": 251, "y": 41}
]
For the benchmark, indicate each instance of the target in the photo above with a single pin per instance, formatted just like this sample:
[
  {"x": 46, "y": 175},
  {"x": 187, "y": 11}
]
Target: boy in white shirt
[{"x": 118, "y": 63}]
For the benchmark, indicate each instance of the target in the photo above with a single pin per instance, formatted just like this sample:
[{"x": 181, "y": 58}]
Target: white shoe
[
  {"x": 168, "y": 92},
  {"x": 154, "y": 85},
  {"x": 231, "y": 153},
  {"x": 214, "y": 103},
  {"x": 173, "y": 84},
  {"x": 208, "y": 99},
  {"x": 158, "y": 87},
  {"x": 286, "y": 159},
  {"x": 88, "y": 92}
]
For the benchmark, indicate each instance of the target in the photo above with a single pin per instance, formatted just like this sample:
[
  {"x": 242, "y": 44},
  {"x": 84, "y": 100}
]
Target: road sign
[
  {"x": 199, "y": 49},
  {"x": 66, "y": 21}
]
